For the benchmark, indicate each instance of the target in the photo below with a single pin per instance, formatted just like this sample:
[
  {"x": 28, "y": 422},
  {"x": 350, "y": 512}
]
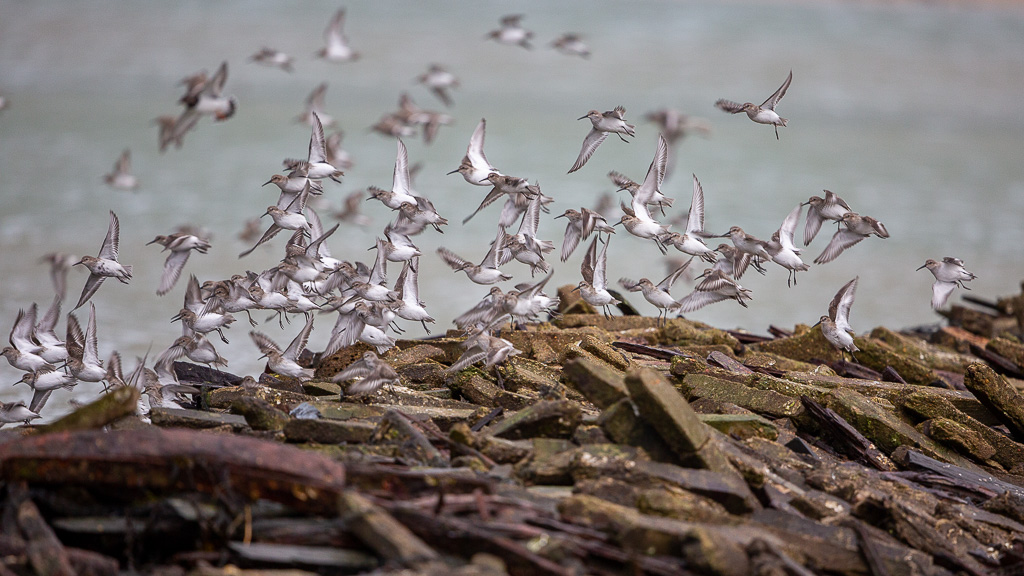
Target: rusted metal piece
[{"x": 157, "y": 459}]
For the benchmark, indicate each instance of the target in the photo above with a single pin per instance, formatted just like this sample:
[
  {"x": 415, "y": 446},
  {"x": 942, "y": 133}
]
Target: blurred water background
[{"x": 905, "y": 110}]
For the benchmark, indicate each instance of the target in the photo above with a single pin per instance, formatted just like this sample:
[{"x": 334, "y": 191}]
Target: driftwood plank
[{"x": 154, "y": 459}]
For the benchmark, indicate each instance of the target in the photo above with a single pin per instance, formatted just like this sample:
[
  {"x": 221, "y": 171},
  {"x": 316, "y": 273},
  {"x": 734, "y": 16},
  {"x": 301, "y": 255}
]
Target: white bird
[
  {"x": 285, "y": 363},
  {"x": 782, "y": 249},
  {"x": 593, "y": 288},
  {"x": 571, "y": 45},
  {"x": 23, "y": 353},
  {"x": 487, "y": 271},
  {"x": 439, "y": 80},
  {"x": 206, "y": 97},
  {"x": 949, "y": 274},
  {"x": 196, "y": 348},
  {"x": 658, "y": 294},
  {"x": 53, "y": 348},
  {"x": 43, "y": 383},
  {"x": 316, "y": 165},
  {"x": 13, "y": 412},
  {"x": 401, "y": 186},
  {"x": 352, "y": 326},
  {"x": 637, "y": 218},
  {"x": 530, "y": 300},
  {"x": 289, "y": 218},
  {"x": 474, "y": 166},
  {"x": 519, "y": 191},
  {"x": 197, "y": 316},
  {"x": 83, "y": 352},
  {"x": 749, "y": 250},
  {"x": 524, "y": 245},
  {"x": 610, "y": 122},
  {"x": 336, "y": 47},
  {"x": 411, "y": 307},
  {"x": 690, "y": 242},
  {"x": 122, "y": 177},
  {"x": 481, "y": 346},
  {"x": 315, "y": 105}
]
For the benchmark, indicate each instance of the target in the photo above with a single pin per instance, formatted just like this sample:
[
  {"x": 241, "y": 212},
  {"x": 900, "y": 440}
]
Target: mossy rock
[
  {"x": 920, "y": 351},
  {"x": 340, "y": 360},
  {"x": 609, "y": 323},
  {"x": 774, "y": 361},
  {"x": 682, "y": 332},
  {"x": 1012, "y": 351},
  {"x": 806, "y": 346}
]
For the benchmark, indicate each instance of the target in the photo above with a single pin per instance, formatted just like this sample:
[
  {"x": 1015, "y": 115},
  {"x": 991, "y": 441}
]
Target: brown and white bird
[
  {"x": 581, "y": 224},
  {"x": 105, "y": 265},
  {"x": 836, "y": 325},
  {"x": 716, "y": 286},
  {"x": 604, "y": 123},
  {"x": 831, "y": 207},
  {"x": 852, "y": 229},
  {"x": 658, "y": 294},
  {"x": 286, "y": 362},
  {"x": 487, "y": 271},
  {"x": 439, "y": 80},
  {"x": 512, "y": 32},
  {"x": 763, "y": 114},
  {"x": 594, "y": 287},
  {"x": 181, "y": 246},
  {"x": 949, "y": 274},
  {"x": 372, "y": 373},
  {"x": 273, "y": 59}
]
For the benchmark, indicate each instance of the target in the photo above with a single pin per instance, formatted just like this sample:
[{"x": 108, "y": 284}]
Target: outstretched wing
[
  {"x": 590, "y": 143},
  {"x": 841, "y": 240},
  {"x": 108, "y": 250},
  {"x": 839, "y": 308},
  {"x": 774, "y": 98},
  {"x": 729, "y": 106}
]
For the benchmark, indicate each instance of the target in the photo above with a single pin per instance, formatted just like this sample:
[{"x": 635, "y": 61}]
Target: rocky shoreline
[{"x": 609, "y": 445}]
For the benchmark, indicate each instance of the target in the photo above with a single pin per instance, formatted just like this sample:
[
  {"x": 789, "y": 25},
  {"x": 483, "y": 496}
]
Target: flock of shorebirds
[{"x": 308, "y": 279}]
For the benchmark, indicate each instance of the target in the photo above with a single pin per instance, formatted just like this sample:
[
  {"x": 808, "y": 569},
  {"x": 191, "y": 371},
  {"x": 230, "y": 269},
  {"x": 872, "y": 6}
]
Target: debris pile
[{"x": 609, "y": 445}]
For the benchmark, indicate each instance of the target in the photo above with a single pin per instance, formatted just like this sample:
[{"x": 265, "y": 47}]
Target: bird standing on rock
[{"x": 836, "y": 326}]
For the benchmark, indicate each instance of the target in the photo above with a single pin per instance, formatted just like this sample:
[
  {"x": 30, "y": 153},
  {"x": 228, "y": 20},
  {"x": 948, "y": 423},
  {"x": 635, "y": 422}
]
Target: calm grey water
[{"x": 905, "y": 111}]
